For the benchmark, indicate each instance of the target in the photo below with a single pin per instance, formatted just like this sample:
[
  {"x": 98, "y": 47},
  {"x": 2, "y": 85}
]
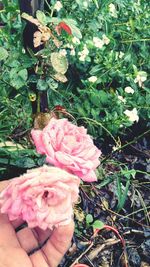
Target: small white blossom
[
  {"x": 72, "y": 52},
  {"x": 92, "y": 79},
  {"x": 132, "y": 114},
  {"x": 129, "y": 90},
  {"x": 58, "y": 6},
  {"x": 122, "y": 99},
  {"x": 69, "y": 46},
  {"x": 98, "y": 42},
  {"x": 82, "y": 58},
  {"x": 112, "y": 10},
  {"x": 121, "y": 54},
  {"x": 140, "y": 78},
  {"x": 75, "y": 40},
  {"x": 63, "y": 52},
  {"x": 83, "y": 53},
  {"x": 105, "y": 39},
  {"x": 85, "y": 4}
]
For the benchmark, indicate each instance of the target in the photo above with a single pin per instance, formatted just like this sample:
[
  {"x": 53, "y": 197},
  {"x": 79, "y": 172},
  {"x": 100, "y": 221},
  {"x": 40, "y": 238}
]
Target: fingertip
[{"x": 65, "y": 231}]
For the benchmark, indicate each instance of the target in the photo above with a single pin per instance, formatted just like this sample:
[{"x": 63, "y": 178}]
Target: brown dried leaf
[
  {"x": 60, "y": 77},
  {"x": 30, "y": 19},
  {"x": 79, "y": 214},
  {"x": 37, "y": 37},
  {"x": 144, "y": 264},
  {"x": 42, "y": 119}
]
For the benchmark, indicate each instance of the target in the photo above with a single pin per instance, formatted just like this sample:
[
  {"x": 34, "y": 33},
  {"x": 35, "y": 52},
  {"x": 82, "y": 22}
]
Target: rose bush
[
  {"x": 42, "y": 197},
  {"x": 69, "y": 147}
]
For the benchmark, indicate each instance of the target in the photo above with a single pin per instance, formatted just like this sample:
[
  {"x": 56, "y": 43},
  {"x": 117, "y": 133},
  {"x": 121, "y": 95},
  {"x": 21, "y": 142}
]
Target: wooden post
[{"x": 30, "y": 7}]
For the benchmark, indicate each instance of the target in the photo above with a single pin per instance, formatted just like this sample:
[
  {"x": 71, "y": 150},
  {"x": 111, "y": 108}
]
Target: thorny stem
[
  {"x": 99, "y": 124},
  {"x": 125, "y": 145}
]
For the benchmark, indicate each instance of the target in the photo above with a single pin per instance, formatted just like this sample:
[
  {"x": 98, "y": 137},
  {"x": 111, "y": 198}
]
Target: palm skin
[{"x": 14, "y": 247}]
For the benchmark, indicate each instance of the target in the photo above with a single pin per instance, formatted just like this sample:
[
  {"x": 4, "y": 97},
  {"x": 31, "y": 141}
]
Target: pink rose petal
[
  {"x": 42, "y": 197},
  {"x": 69, "y": 147}
]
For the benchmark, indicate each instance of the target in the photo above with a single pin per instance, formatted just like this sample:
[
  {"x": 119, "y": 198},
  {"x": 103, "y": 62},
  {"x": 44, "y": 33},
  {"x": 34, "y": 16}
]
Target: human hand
[{"x": 16, "y": 247}]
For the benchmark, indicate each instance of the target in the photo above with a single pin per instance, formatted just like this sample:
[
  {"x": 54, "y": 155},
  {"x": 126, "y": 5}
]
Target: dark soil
[{"x": 132, "y": 221}]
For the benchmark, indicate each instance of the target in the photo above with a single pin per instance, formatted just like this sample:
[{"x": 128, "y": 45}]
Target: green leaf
[
  {"x": 25, "y": 163},
  {"x": 122, "y": 193},
  {"x": 17, "y": 82},
  {"x": 89, "y": 218},
  {"x": 3, "y": 53},
  {"x": 96, "y": 3},
  {"x": 98, "y": 224},
  {"x": 18, "y": 79},
  {"x": 23, "y": 74},
  {"x": 13, "y": 73},
  {"x": 129, "y": 173},
  {"x": 95, "y": 99},
  {"x": 59, "y": 62},
  {"x": 103, "y": 97},
  {"x": 42, "y": 85},
  {"x": 80, "y": 110},
  {"x": 41, "y": 17}
]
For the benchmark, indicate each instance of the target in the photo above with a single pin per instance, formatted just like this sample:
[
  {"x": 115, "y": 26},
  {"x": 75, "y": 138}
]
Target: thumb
[{"x": 58, "y": 244}]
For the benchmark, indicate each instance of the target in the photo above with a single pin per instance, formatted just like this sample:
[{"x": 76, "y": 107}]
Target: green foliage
[
  {"x": 3, "y": 53},
  {"x": 109, "y": 49},
  {"x": 122, "y": 178},
  {"x": 21, "y": 158},
  {"x": 115, "y": 50},
  {"x": 96, "y": 224}
]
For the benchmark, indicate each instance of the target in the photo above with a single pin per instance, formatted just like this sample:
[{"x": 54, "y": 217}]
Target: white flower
[
  {"x": 92, "y": 79},
  {"x": 105, "y": 39},
  {"x": 63, "y": 52},
  {"x": 72, "y": 52},
  {"x": 85, "y": 4},
  {"x": 112, "y": 10},
  {"x": 83, "y": 53},
  {"x": 112, "y": 7},
  {"x": 122, "y": 99},
  {"x": 69, "y": 46},
  {"x": 82, "y": 58},
  {"x": 75, "y": 40},
  {"x": 129, "y": 90},
  {"x": 85, "y": 50},
  {"x": 121, "y": 54},
  {"x": 98, "y": 42},
  {"x": 58, "y": 6},
  {"x": 132, "y": 114},
  {"x": 140, "y": 78}
]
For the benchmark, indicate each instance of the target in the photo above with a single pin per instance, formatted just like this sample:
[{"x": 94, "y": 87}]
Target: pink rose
[
  {"x": 68, "y": 147},
  {"x": 42, "y": 197}
]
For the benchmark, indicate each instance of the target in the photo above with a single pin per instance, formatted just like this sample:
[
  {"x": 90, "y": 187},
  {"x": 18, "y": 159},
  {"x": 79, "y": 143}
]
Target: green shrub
[{"x": 108, "y": 78}]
